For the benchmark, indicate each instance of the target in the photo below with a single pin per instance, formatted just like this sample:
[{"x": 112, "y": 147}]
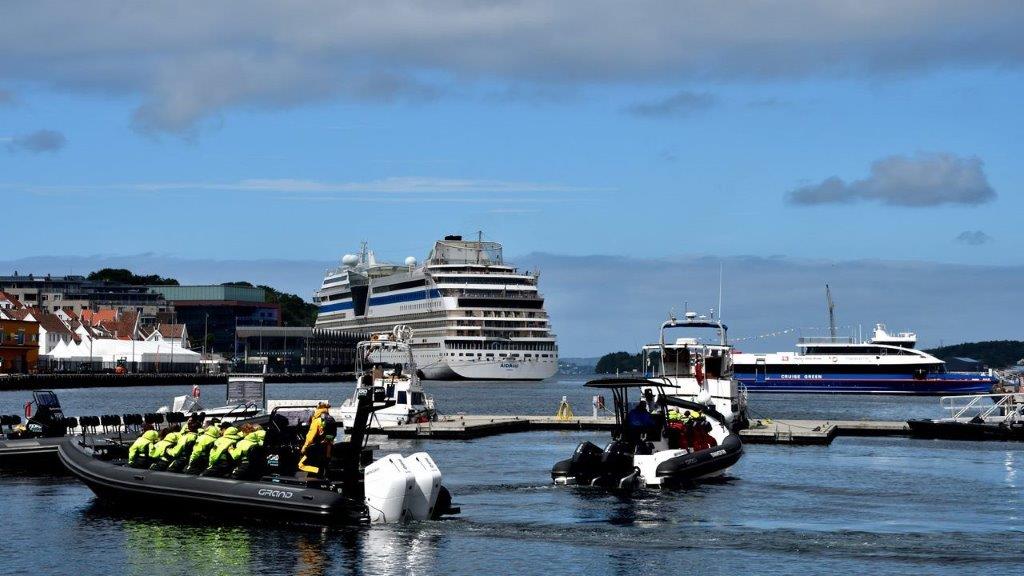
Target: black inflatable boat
[
  {"x": 677, "y": 442},
  {"x": 281, "y": 493},
  {"x": 969, "y": 430},
  {"x": 32, "y": 447}
]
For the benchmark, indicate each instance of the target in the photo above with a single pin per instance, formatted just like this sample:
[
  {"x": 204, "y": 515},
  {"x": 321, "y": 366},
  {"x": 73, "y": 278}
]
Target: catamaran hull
[{"x": 946, "y": 384}]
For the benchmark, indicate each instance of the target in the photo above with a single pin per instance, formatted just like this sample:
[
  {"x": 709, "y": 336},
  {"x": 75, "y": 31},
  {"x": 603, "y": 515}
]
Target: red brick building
[{"x": 19, "y": 346}]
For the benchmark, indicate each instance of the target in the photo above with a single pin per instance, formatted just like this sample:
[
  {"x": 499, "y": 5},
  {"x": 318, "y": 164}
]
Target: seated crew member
[
  {"x": 200, "y": 457},
  {"x": 316, "y": 449},
  {"x": 249, "y": 456},
  {"x": 639, "y": 416},
  {"x": 159, "y": 459},
  {"x": 138, "y": 453},
  {"x": 181, "y": 451},
  {"x": 702, "y": 438},
  {"x": 220, "y": 455},
  {"x": 676, "y": 428}
]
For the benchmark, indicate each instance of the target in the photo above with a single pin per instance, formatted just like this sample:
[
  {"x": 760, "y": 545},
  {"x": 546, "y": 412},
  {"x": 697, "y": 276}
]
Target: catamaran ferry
[
  {"x": 473, "y": 316},
  {"x": 885, "y": 364}
]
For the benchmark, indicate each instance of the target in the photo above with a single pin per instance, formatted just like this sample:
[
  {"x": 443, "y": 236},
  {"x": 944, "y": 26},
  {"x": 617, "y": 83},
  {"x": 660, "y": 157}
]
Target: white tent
[{"x": 108, "y": 350}]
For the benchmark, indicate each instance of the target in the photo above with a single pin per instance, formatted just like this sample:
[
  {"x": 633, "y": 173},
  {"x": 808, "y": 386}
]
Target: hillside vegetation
[
  {"x": 618, "y": 362},
  {"x": 994, "y": 354}
]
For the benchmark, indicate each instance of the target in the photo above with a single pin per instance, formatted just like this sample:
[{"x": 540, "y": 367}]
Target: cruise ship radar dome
[
  {"x": 349, "y": 260},
  {"x": 410, "y": 261}
]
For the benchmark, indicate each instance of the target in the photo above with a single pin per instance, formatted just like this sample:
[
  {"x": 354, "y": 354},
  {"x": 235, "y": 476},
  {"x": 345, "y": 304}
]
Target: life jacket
[
  {"x": 142, "y": 445},
  {"x": 317, "y": 428},
  {"x": 158, "y": 451},
  {"x": 186, "y": 441},
  {"x": 241, "y": 450},
  {"x": 222, "y": 445},
  {"x": 204, "y": 443}
]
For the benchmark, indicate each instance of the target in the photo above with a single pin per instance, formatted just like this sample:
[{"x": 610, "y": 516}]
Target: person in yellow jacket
[
  {"x": 249, "y": 456},
  {"x": 200, "y": 457},
  {"x": 316, "y": 450},
  {"x": 220, "y": 455},
  {"x": 158, "y": 456},
  {"x": 181, "y": 451},
  {"x": 138, "y": 453}
]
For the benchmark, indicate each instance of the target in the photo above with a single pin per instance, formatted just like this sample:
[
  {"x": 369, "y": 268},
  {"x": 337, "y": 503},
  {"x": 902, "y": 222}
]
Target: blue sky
[{"x": 654, "y": 130}]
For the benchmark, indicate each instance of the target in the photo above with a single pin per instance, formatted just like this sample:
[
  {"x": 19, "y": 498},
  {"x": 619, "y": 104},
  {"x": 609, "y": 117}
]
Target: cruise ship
[
  {"x": 884, "y": 364},
  {"x": 473, "y": 316}
]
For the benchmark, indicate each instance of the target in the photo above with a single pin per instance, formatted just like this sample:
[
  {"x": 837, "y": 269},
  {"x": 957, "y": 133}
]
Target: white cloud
[
  {"x": 919, "y": 181},
  {"x": 189, "y": 60},
  {"x": 409, "y": 185}
]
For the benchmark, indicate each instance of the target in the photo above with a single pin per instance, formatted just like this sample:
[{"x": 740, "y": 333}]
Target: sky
[{"x": 832, "y": 133}]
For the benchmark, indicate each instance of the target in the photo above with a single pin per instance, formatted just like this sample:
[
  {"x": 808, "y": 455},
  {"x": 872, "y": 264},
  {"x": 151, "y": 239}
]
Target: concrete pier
[{"x": 792, "y": 432}]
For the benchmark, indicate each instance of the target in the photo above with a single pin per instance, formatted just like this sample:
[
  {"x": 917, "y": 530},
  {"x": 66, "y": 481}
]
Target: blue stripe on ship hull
[
  {"x": 336, "y": 306},
  {"x": 935, "y": 384},
  {"x": 406, "y": 297},
  {"x": 382, "y": 300}
]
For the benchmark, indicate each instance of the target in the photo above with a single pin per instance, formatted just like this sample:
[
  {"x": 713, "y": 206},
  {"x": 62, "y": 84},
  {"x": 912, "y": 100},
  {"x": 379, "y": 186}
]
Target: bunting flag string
[{"x": 778, "y": 333}]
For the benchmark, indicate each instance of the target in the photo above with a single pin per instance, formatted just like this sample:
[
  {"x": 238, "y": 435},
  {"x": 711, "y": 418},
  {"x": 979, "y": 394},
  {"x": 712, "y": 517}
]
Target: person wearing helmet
[
  {"x": 200, "y": 457},
  {"x": 138, "y": 453},
  {"x": 220, "y": 454},
  {"x": 181, "y": 451},
  {"x": 249, "y": 456},
  {"x": 158, "y": 455}
]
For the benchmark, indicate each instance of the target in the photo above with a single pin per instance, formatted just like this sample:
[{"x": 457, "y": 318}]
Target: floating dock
[{"x": 792, "y": 432}]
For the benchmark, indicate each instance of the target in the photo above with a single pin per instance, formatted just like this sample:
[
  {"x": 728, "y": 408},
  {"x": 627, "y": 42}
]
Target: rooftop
[{"x": 210, "y": 293}]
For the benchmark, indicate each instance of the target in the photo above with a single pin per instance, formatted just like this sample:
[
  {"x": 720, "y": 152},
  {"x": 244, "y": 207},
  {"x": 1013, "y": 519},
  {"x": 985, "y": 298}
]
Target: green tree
[
  {"x": 125, "y": 276},
  {"x": 618, "y": 362},
  {"x": 994, "y": 353}
]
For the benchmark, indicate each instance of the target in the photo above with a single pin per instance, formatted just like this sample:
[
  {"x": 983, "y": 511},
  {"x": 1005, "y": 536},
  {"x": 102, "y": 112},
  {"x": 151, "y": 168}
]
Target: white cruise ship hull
[{"x": 520, "y": 370}]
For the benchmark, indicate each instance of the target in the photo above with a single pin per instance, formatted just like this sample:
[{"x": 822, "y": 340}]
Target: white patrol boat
[
  {"x": 386, "y": 361},
  {"x": 697, "y": 369}
]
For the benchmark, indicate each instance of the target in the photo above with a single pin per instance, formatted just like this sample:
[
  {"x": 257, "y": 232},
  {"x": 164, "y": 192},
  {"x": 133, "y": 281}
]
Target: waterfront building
[
  {"x": 19, "y": 346},
  {"x": 77, "y": 294},
  {"x": 297, "y": 348},
  {"x": 210, "y": 314},
  {"x": 168, "y": 332}
]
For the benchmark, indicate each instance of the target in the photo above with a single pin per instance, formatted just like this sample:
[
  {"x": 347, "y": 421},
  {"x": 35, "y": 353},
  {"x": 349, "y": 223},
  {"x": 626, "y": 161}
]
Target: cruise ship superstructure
[{"x": 472, "y": 315}]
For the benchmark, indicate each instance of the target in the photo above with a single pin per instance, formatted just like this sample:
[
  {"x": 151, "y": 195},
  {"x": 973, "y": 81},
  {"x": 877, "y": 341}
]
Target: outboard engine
[
  {"x": 388, "y": 484},
  {"x": 423, "y": 499},
  {"x": 584, "y": 465}
]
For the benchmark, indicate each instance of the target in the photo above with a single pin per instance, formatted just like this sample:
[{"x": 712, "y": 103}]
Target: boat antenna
[
  {"x": 831, "y": 312},
  {"x": 720, "y": 289}
]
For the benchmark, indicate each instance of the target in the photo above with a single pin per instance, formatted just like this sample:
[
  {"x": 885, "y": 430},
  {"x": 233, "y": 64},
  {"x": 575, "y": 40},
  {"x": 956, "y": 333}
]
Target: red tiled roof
[
  {"x": 171, "y": 330},
  {"x": 11, "y": 298},
  {"x": 51, "y": 323}
]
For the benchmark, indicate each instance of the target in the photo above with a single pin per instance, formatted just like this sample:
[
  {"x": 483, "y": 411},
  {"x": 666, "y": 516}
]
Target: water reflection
[{"x": 203, "y": 545}]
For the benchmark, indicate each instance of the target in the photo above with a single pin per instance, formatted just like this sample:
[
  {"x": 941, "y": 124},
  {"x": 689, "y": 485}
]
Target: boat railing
[{"x": 1008, "y": 408}]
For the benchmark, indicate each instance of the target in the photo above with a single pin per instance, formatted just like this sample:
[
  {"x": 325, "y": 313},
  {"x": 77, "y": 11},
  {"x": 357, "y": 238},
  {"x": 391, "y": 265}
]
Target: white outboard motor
[
  {"x": 388, "y": 482},
  {"x": 421, "y": 501}
]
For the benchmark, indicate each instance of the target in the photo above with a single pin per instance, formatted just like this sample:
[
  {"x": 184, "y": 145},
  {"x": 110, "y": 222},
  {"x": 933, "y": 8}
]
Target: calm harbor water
[{"x": 878, "y": 506}]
